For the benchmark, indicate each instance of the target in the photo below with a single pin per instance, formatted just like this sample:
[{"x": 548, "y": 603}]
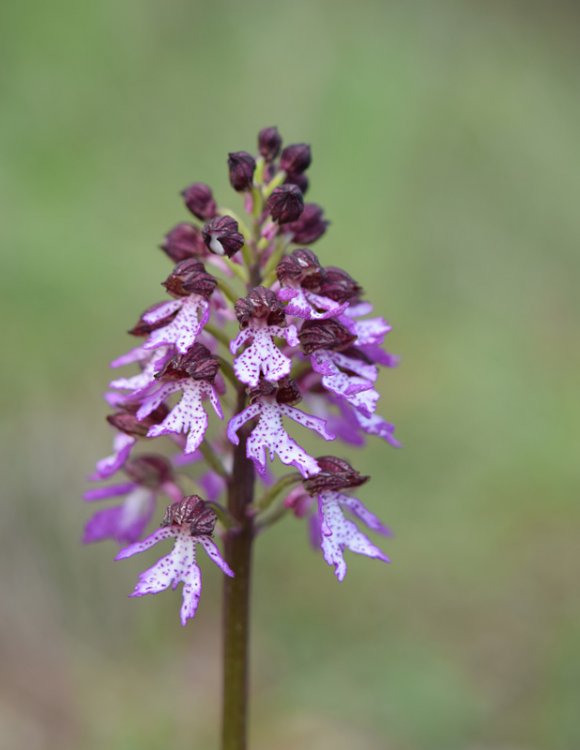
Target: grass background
[{"x": 446, "y": 153}]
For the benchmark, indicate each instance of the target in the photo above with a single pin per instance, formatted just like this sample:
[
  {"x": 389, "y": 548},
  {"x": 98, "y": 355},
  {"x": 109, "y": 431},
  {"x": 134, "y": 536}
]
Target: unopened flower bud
[
  {"x": 269, "y": 143},
  {"x": 200, "y": 201},
  {"x": 288, "y": 392},
  {"x": 127, "y": 422},
  {"x": 260, "y": 304},
  {"x": 151, "y": 470},
  {"x": 335, "y": 474},
  {"x": 309, "y": 227},
  {"x": 222, "y": 237},
  {"x": 296, "y": 158},
  {"x": 190, "y": 277},
  {"x": 182, "y": 242},
  {"x": 300, "y": 267},
  {"x": 324, "y": 334},
  {"x": 285, "y": 204},
  {"x": 264, "y": 389},
  {"x": 242, "y": 167},
  {"x": 198, "y": 363},
  {"x": 339, "y": 286},
  {"x": 193, "y": 512}
]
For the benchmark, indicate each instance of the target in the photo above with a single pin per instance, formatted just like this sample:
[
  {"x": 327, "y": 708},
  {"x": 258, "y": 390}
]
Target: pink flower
[
  {"x": 337, "y": 532},
  {"x": 150, "y": 476},
  {"x": 190, "y": 522},
  {"x": 269, "y": 435},
  {"x": 191, "y": 374},
  {"x": 262, "y": 317}
]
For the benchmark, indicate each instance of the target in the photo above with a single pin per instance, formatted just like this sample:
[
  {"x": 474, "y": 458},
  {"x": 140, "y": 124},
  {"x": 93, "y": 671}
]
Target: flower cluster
[{"x": 253, "y": 325}]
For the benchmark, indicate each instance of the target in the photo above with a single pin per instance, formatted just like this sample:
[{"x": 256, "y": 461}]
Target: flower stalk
[{"x": 236, "y": 601}]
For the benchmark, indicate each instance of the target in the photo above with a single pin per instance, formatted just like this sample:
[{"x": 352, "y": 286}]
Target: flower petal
[
  {"x": 308, "y": 305},
  {"x": 161, "y": 310},
  {"x": 134, "y": 549},
  {"x": 261, "y": 357},
  {"x": 182, "y": 331},
  {"x": 339, "y": 533},
  {"x": 106, "y": 467},
  {"x": 214, "y": 554},
  {"x": 307, "y": 420},
  {"x": 269, "y": 434},
  {"x": 188, "y": 416},
  {"x": 155, "y": 398},
  {"x": 114, "y": 490},
  {"x": 138, "y": 354},
  {"x": 357, "y": 508},
  {"x": 360, "y": 368},
  {"x": 238, "y": 420},
  {"x": 124, "y": 523},
  {"x": 376, "y": 425}
]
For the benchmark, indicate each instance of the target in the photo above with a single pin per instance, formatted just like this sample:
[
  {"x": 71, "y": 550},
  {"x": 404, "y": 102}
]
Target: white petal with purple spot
[{"x": 338, "y": 534}]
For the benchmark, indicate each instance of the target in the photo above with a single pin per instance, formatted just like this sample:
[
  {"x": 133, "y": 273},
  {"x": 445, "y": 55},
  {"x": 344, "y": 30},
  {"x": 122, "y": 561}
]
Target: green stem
[
  {"x": 228, "y": 291},
  {"x": 228, "y": 370},
  {"x": 238, "y": 553},
  {"x": 268, "y": 497},
  {"x": 275, "y": 182},
  {"x": 212, "y": 459},
  {"x": 236, "y": 269},
  {"x": 274, "y": 259},
  {"x": 276, "y": 515},
  {"x": 219, "y": 334},
  {"x": 238, "y": 541}
]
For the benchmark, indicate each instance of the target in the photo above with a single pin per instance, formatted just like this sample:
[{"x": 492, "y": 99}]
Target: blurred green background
[{"x": 446, "y": 152}]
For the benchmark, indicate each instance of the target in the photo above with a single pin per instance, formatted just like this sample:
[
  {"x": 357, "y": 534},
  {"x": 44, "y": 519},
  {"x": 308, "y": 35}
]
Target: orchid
[
  {"x": 270, "y": 327},
  {"x": 190, "y": 523}
]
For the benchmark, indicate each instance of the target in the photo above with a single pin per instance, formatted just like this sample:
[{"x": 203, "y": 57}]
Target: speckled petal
[
  {"x": 182, "y": 331},
  {"x": 178, "y": 566},
  {"x": 360, "y": 368},
  {"x": 156, "y": 398},
  {"x": 338, "y": 534},
  {"x": 356, "y": 507},
  {"x": 240, "y": 419},
  {"x": 214, "y": 555},
  {"x": 270, "y": 435},
  {"x": 290, "y": 333},
  {"x": 307, "y": 420},
  {"x": 357, "y": 391},
  {"x": 147, "y": 375},
  {"x": 162, "y": 310},
  {"x": 245, "y": 335},
  {"x": 210, "y": 391},
  {"x": 332, "y": 309},
  {"x": 376, "y": 425},
  {"x": 304, "y": 304},
  {"x": 190, "y": 594},
  {"x": 145, "y": 544},
  {"x": 371, "y": 331},
  {"x": 188, "y": 416},
  {"x": 262, "y": 356}
]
